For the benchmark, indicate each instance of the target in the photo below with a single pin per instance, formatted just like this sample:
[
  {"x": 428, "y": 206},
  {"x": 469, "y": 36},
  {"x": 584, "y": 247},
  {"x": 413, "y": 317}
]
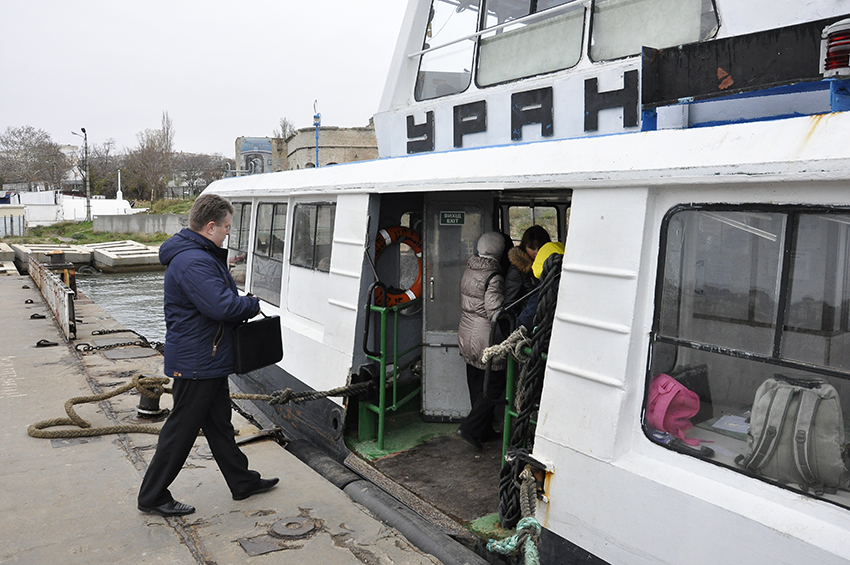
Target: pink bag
[{"x": 671, "y": 406}]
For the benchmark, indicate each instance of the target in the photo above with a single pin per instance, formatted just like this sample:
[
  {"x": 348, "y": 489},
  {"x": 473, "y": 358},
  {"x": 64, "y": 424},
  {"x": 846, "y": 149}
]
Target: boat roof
[{"x": 802, "y": 148}]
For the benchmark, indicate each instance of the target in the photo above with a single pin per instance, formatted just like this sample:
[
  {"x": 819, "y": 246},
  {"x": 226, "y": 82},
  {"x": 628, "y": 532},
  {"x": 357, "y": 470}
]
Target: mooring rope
[
  {"x": 528, "y": 528},
  {"x": 514, "y": 345},
  {"x": 288, "y": 395},
  {"x": 151, "y": 387},
  {"x": 154, "y": 387},
  {"x": 529, "y": 385}
]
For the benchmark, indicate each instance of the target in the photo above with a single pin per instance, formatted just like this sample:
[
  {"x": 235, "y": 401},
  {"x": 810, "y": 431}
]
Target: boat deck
[{"x": 430, "y": 461}]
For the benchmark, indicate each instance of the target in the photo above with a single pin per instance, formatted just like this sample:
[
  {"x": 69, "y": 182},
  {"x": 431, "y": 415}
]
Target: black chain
[
  {"x": 141, "y": 342},
  {"x": 86, "y": 347}
]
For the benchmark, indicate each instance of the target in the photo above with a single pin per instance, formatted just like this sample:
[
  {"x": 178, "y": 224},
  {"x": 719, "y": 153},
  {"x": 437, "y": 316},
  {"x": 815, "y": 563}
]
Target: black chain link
[{"x": 141, "y": 342}]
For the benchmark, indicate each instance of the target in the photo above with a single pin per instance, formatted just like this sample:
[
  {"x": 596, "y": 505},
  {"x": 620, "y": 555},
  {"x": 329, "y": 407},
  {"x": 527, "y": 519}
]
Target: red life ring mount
[{"x": 408, "y": 236}]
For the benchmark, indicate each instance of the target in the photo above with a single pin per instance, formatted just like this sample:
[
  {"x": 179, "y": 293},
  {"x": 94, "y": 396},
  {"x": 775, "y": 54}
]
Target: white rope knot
[{"x": 513, "y": 345}]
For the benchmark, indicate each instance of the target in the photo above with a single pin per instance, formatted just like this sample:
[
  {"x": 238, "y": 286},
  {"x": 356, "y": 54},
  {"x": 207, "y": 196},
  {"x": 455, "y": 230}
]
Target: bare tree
[
  {"x": 167, "y": 132},
  {"x": 29, "y": 155},
  {"x": 198, "y": 170},
  {"x": 286, "y": 129},
  {"x": 103, "y": 168},
  {"x": 151, "y": 160},
  {"x": 218, "y": 166}
]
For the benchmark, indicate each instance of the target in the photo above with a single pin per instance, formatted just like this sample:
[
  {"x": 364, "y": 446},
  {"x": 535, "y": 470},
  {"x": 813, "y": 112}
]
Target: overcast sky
[{"x": 221, "y": 69}]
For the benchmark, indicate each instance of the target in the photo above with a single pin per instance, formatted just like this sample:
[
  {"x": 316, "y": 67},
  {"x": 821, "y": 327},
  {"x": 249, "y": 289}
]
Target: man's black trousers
[{"x": 199, "y": 404}]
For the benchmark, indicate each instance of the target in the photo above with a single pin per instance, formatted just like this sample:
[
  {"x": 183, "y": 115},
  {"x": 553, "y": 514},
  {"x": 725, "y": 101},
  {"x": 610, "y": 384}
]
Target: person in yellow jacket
[{"x": 526, "y": 318}]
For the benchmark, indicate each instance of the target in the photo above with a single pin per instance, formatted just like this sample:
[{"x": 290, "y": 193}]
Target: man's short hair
[{"x": 208, "y": 208}]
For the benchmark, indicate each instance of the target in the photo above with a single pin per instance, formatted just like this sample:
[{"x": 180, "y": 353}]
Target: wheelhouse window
[
  {"x": 528, "y": 37},
  {"x": 237, "y": 244},
  {"x": 620, "y": 28},
  {"x": 446, "y": 70},
  {"x": 749, "y": 297},
  {"x": 312, "y": 236},
  {"x": 267, "y": 264}
]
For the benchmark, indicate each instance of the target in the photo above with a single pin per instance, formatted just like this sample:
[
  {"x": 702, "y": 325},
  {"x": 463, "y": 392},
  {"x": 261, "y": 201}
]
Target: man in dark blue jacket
[{"x": 202, "y": 306}]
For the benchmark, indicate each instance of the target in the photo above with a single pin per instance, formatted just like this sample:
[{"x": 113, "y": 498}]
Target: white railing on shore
[{"x": 59, "y": 296}]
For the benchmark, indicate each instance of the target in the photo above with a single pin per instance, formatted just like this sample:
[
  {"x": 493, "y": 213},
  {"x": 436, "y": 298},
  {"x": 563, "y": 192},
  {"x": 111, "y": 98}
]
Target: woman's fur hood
[{"x": 521, "y": 260}]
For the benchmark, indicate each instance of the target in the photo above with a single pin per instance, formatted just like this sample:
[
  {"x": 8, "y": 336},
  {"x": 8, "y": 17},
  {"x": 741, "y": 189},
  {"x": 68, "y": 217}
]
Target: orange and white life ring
[{"x": 409, "y": 237}]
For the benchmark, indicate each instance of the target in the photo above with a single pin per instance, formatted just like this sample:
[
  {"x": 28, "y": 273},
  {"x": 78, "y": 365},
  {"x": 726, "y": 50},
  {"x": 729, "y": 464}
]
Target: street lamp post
[
  {"x": 317, "y": 121},
  {"x": 88, "y": 191}
]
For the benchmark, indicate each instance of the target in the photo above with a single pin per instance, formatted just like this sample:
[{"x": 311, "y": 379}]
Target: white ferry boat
[{"x": 693, "y": 157}]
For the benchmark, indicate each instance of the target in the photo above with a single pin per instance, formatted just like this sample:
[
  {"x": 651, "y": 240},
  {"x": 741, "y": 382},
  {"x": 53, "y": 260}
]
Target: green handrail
[
  {"x": 366, "y": 422},
  {"x": 510, "y": 396}
]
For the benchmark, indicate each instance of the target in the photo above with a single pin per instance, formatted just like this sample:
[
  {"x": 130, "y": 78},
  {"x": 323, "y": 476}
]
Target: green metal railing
[
  {"x": 368, "y": 410},
  {"x": 510, "y": 395}
]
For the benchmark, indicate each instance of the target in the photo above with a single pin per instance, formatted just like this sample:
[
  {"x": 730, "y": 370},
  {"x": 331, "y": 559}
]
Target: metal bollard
[{"x": 149, "y": 407}]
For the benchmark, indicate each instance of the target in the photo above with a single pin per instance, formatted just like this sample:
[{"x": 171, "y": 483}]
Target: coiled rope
[
  {"x": 528, "y": 529},
  {"x": 528, "y": 389}
]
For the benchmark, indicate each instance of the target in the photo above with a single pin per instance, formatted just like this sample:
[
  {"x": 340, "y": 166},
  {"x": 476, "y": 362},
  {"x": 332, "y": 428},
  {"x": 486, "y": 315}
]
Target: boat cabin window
[
  {"x": 237, "y": 242},
  {"x": 447, "y": 71},
  {"x": 267, "y": 263},
  {"x": 312, "y": 235},
  {"x": 546, "y": 37},
  {"x": 520, "y": 218},
  {"x": 620, "y": 28},
  {"x": 752, "y": 301}
]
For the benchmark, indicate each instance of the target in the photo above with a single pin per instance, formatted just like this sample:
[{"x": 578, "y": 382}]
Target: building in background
[{"x": 256, "y": 155}]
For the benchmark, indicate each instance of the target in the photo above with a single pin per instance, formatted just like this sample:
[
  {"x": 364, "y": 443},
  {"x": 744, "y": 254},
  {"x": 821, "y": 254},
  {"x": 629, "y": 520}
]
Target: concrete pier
[
  {"x": 124, "y": 256},
  {"x": 7, "y": 260},
  {"x": 76, "y": 254},
  {"x": 73, "y": 501},
  {"x": 110, "y": 257}
]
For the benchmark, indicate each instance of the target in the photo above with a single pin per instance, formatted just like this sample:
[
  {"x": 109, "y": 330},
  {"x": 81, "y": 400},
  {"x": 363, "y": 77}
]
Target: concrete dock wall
[{"x": 142, "y": 223}]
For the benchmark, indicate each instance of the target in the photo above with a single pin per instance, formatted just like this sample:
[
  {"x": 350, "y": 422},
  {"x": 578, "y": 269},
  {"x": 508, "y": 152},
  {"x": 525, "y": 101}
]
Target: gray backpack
[{"x": 797, "y": 434}]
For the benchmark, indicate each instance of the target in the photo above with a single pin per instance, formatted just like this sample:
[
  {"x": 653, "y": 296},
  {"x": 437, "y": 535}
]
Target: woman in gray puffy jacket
[{"x": 481, "y": 297}]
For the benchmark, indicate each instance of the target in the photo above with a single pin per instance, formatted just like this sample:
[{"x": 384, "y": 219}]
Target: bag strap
[
  {"x": 487, "y": 282},
  {"x": 802, "y": 433},
  {"x": 666, "y": 393},
  {"x": 776, "y": 412}
]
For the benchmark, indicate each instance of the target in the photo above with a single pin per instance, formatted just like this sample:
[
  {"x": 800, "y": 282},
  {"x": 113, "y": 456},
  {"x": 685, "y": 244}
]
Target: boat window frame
[
  {"x": 418, "y": 95},
  {"x": 775, "y": 357},
  {"x": 262, "y": 259},
  {"x": 533, "y": 18},
  {"x": 558, "y": 208},
  {"x": 314, "y": 262},
  {"x": 658, "y": 341},
  {"x": 591, "y": 35},
  {"x": 240, "y": 247}
]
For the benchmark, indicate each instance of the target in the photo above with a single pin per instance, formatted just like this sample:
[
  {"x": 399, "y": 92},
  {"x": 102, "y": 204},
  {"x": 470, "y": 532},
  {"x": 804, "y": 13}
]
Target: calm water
[{"x": 133, "y": 299}]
